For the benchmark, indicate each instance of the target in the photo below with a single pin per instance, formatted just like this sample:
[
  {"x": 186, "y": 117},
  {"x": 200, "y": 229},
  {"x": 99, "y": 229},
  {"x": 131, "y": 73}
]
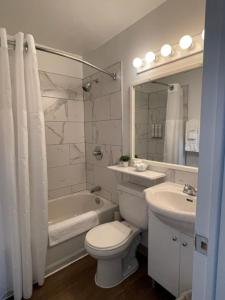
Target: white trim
[
  {"x": 211, "y": 162},
  {"x": 186, "y": 64}
]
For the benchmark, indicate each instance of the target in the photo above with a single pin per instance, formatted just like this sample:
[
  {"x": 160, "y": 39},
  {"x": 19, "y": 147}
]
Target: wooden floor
[{"x": 76, "y": 282}]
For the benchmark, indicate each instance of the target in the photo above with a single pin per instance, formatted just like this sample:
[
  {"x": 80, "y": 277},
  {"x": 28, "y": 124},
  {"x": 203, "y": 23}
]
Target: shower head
[{"x": 87, "y": 85}]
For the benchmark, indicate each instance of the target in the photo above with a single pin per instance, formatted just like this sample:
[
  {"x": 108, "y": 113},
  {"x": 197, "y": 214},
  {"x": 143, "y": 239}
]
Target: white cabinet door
[
  {"x": 164, "y": 254},
  {"x": 186, "y": 262}
]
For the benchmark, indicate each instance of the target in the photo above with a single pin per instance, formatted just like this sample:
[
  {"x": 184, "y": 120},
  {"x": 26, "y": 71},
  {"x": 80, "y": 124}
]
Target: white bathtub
[{"x": 67, "y": 207}]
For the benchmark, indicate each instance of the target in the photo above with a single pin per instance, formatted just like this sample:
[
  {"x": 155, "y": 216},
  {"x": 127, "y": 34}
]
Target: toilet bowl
[{"x": 114, "y": 246}]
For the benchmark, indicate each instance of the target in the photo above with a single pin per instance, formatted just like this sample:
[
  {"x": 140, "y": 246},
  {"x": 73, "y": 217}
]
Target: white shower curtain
[
  {"x": 23, "y": 171},
  {"x": 174, "y": 127}
]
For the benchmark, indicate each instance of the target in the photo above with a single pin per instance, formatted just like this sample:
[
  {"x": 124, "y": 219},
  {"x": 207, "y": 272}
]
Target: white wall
[{"x": 165, "y": 24}]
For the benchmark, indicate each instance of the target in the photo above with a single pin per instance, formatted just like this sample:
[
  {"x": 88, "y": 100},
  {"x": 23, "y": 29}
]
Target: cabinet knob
[
  {"x": 184, "y": 244},
  {"x": 174, "y": 238}
]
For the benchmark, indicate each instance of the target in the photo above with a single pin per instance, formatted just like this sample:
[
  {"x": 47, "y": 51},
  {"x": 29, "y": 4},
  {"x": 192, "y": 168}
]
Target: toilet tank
[{"x": 132, "y": 204}]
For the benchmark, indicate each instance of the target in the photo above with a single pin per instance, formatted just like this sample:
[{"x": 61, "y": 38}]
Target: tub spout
[{"x": 95, "y": 189}]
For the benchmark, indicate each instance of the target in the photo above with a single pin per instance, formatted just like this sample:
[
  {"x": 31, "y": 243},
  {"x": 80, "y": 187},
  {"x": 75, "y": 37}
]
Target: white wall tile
[
  {"x": 88, "y": 127},
  {"x": 103, "y": 106},
  {"x": 88, "y": 110},
  {"x": 52, "y": 194},
  {"x": 90, "y": 173},
  {"x": 54, "y": 132},
  {"x": 186, "y": 177},
  {"x": 64, "y": 132},
  {"x": 115, "y": 106},
  {"x": 60, "y": 86},
  {"x": 104, "y": 177},
  {"x": 101, "y": 110},
  {"x": 73, "y": 132},
  {"x": 89, "y": 153},
  {"x": 64, "y": 119},
  {"x": 66, "y": 175},
  {"x": 105, "y": 194},
  {"x": 78, "y": 187},
  {"x": 116, "y": 152},
  {"x": 111, "y": 154},
  {"x": 75, "y": 111},
  {"x": 108, "y": 132},
  {"x": 77, "y": 153},
  {"x": 57, "y": 155},
  {"x": 54, "y": 109}
]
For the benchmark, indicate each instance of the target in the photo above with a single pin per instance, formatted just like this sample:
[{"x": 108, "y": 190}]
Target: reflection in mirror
[{"x": 167, "y": 118}]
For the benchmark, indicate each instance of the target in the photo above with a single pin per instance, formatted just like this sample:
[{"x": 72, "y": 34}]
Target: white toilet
[{"x": 114, "y": 244}]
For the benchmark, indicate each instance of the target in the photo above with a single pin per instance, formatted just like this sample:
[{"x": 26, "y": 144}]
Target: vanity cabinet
[{"x": 170, "y": 256}]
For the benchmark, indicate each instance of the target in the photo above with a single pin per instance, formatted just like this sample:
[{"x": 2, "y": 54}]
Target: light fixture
[
  {"x": 137, "y": 62},
  {"x": 186, "y": 42},
  {"x": 203, "y": 34},
  {"x": 150, "y": 57},
  {"x": 166, "y": 50}
]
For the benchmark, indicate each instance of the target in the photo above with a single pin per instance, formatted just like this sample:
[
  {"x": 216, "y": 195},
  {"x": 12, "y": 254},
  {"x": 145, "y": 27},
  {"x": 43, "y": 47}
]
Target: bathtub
[{"x": 63, "y": 208}]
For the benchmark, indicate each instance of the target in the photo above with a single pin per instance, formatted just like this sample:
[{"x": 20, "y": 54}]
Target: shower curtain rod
[{"x": 67, "y": 55}]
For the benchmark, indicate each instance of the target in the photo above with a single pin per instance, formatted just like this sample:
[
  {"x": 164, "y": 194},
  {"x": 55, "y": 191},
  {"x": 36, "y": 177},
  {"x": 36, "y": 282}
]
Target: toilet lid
[{"x": 108, "y": 235}]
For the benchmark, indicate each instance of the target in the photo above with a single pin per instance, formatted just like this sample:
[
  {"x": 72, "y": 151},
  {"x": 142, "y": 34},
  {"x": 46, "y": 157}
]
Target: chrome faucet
[
  {"x": 190, "y": 190},
  {"x": 96, "y": 188}
]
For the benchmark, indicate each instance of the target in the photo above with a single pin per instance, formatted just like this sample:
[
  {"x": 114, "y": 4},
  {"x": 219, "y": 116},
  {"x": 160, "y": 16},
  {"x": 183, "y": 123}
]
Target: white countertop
[{"x": 151, "y": 175}]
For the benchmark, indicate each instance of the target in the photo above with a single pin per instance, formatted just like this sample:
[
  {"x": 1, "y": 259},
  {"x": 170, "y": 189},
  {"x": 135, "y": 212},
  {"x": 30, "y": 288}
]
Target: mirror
[{"x": 167, "y": 118}]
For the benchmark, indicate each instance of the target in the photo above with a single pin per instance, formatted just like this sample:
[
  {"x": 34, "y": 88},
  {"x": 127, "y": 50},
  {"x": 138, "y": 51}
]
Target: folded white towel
[
  {"x": 192, "y": 136},
  {"x": 62, "y": 231}
]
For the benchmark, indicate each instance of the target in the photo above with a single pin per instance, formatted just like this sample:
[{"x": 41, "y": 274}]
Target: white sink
[{"x": 168, "y": 202}]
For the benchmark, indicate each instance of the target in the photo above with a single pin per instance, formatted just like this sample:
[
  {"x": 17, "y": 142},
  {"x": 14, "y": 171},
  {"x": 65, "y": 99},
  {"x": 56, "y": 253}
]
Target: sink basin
[{"x": 168, "y": 202}]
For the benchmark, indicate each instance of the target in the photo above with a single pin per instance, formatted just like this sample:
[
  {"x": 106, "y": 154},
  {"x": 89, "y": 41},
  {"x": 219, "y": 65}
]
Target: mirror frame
[{"x": 173, "y": 67}]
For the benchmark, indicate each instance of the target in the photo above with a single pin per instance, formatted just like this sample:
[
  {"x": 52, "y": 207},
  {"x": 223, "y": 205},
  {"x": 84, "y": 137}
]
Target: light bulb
[
  {"x": 150, "y": 57},
  {"x": 203, "y": 34},
  {"x": 186, "y": 42},
  {"x": 166, "y": 50},
  {"x": 137, "y": 62}
]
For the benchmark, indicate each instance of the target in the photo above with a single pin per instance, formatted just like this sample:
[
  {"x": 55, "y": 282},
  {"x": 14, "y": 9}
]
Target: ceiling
[{"x": 78, "y": 26}]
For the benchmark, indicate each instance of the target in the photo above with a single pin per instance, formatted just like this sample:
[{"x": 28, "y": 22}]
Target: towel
[
  {"x": 192, "y": 136},
  {"x": 62, "y": 231}
]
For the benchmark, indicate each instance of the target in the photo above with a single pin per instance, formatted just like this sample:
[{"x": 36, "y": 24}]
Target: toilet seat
[
  {"x": 114, "y": 246},
  {"x": 109, "y": 236}
]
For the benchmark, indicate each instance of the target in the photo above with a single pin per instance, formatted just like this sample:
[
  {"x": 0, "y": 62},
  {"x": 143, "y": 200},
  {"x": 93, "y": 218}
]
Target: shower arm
[{"x": 65, "y": 54}]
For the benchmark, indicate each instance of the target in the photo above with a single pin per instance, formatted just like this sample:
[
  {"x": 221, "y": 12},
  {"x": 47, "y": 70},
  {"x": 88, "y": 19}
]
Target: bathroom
[{"x": 112, "y": 149}]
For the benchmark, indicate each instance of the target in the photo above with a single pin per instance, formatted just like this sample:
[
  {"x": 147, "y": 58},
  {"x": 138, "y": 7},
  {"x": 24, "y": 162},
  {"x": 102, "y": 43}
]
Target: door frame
[{"x": 207, "y": 277}]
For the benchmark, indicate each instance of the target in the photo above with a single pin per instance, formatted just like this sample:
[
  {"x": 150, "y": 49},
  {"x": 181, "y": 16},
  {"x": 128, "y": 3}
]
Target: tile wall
[
  {"x": 63, "y": 106},
  {"x": 103, "y": 128}
]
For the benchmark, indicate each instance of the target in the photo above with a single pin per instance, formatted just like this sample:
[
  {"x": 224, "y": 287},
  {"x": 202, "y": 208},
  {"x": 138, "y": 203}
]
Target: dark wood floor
[{"x": 76, "y": 282}]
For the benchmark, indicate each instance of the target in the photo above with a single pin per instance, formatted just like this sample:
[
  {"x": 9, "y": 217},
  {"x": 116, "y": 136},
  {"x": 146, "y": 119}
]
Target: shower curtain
[
  {"x": 174, "y": 127},
  {"x": 23, "y": 170}
]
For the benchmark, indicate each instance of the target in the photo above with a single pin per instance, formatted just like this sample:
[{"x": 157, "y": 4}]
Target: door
[
  {"x": 163, "y": 254},
  {"x": 207, "y": 282},
  {"x": 186, "y": 262}
]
